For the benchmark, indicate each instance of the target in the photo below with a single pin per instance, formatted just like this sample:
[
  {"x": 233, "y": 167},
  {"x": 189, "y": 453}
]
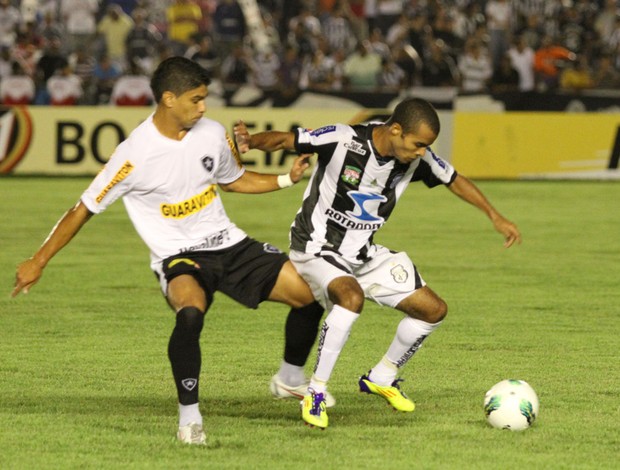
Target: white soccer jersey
[
  {"x": 353, "y": 190},
  {"x": 169, "y": 188}
]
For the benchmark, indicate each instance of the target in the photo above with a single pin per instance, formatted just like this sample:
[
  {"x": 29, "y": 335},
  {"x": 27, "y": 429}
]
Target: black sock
[
  {"x": 184, "y": 353},
  {"x": 301, "y": 329}
]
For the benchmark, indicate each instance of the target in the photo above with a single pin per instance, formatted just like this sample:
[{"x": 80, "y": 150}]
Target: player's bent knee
[{"x": 438, "y": 313}]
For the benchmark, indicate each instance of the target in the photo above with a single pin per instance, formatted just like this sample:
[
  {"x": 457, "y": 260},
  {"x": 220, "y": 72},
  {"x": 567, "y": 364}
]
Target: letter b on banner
[{"x": 70, "y": 145}]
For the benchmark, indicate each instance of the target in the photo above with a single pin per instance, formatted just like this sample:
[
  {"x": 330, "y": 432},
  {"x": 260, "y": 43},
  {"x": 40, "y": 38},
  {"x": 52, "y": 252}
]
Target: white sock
[
  {"x": 409, "y": 337},
  {"x": 334, "y": 335},
  {"x": 189, "y": 414},
  {"x": 291, "y": 375}
]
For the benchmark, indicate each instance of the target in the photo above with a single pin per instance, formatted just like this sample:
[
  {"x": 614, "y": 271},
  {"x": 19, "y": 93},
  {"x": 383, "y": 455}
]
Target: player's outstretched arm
[
  {"x": 268, "y": 141},
  {"x": 256, "y": 183},
  {"x": 469, "y": 192},
  {"x": 30, "y": 271}
]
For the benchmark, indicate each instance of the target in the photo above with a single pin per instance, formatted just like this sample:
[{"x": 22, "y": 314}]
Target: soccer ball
[{"x": 511, "y": 404}]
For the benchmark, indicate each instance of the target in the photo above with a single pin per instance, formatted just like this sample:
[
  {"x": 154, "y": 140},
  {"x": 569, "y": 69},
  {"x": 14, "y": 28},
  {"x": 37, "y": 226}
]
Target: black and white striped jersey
[{"x": 353, "y": 190}]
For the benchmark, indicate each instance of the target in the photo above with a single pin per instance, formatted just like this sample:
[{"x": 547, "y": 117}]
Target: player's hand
[
  {"x": 242, "y": 136},
  {"x": 27, "y": 275},
  {"x": 300, "y": 165},
  {"x": 508, "y": 230}
]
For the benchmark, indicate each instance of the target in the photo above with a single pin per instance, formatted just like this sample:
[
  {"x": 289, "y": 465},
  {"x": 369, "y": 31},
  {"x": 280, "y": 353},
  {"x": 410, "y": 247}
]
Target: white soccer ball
[{"x": 511, "y": 404}]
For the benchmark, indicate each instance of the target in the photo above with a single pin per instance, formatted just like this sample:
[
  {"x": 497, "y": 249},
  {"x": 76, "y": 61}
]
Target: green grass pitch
[{"x": 85, "y": 380}]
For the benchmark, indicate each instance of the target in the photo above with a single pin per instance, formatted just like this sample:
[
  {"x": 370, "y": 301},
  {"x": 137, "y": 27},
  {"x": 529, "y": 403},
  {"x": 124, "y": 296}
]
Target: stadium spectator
[
  {"x": 204, "y": 53},
  {"x": 195, "y": 249},
  {"x": 576, "y": 76},
  {"x": 289, "y": 76},
  {"x": 236, "y": 68},
  {"x": 388, "y": 12},
  {"x": 10, "y": 20},
  {"x": 522, "y": 58},
  {"x": 475, "y": 68},
  {"x": 105, "y": 74},
  {"x": 505, "y": 77},
  {"x": 391, "y": 78},
  {"x": 499, "y": 25},
  {"x": 549, "y": 58},
  {"x": 26, "y": 53},
  {"x": 229, "y": 25},
  {"x": 264, "y": 67},
  {"x": 64, "y": 87},
  {"x": 605, "y": 76},
  {"x": 361, "y": 68},
  {"x": 141, "y": 40},
  {"x": 6, "y": 62},
  {"x": 184, "y": 17},
  {"x": 132, "y": 88},
  {"x": 439, "y": 68},
  {"x": 83, "y": 64},
  {"x": 80, "y": 20},
  {"x": 378, "y": 43},
  {"x": 317, "y": 72},
  {"x": 17, "y": 88},
  {"x": 336, "y": 29},
  {"x": 52, "y": 60},
  {"x": 114, "y": 28},
  {"x": 361, "y": 172},
  {"x": 49, "y": 27}
]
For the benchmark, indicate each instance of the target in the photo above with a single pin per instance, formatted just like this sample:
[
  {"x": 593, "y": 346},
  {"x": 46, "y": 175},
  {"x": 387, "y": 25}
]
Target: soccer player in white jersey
[
  {"x": 360, "y": 174},
  {"x": 167, "y": 172}
]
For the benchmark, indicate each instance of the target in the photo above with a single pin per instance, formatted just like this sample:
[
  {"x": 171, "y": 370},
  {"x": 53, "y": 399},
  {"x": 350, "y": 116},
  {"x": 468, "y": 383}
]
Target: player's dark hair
[
  {"x": 177, "y": 75},
  {"x": 412, "y": 112}
]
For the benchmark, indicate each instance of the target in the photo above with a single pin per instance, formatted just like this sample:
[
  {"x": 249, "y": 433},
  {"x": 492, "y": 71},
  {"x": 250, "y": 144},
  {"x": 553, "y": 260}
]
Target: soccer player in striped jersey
[{"x": 360, "y": 174}]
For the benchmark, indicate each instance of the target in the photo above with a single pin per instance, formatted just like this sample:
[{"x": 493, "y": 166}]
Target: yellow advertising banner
[
  {"x": 44, "y": 140},
  {"x": 534, "y": 145}
]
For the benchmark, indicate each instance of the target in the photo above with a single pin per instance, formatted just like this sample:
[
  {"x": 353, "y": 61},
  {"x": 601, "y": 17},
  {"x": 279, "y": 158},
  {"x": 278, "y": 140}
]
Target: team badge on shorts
[
  {"x": 270, "y": 249},
  {"x": 399, "y": 274}
]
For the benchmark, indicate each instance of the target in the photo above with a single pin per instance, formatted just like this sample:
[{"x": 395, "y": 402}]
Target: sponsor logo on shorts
[
  {"x": 399, "y": 274},
  {"x": 179, "y": 210},
  {"x": 176, "y": 261},
  {"x": 351, "y": 175},
  {"x": 118, "y": 177},
  {"x": 189, "y": 384},
  {"x": 212, "y": 241},
  {"x": 268, "y": 248}
]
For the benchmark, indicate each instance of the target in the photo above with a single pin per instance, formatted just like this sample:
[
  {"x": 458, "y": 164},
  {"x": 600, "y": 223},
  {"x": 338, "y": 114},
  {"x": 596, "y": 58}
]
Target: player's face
[
  {"x": 190, "y": 106},
  {"x": 409, "y": 146}
]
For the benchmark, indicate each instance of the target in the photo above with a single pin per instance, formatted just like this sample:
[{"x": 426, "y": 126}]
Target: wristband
[{"x": 285, "y": 181}]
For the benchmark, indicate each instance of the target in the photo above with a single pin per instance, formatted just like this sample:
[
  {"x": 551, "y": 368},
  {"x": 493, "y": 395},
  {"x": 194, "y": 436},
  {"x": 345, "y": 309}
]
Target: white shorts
[{"x": 387, "y": 278}]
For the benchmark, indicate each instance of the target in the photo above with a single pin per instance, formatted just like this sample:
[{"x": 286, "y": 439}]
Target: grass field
[{"x": 85, "y": 381}]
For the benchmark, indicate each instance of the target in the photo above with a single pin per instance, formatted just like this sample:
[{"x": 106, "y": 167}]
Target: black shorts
[{"x": 245, "y": 272}]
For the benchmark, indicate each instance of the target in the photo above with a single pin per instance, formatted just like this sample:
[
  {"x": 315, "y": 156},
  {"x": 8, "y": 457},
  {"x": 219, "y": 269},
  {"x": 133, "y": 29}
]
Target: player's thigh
[
  {"x": 185, "y": 291},
  {"x": 389, "y": 277},
  {"x": 424, "y": 304},
  {"x": 290, "y": 288},
  {"x": 319, "y": 273}
]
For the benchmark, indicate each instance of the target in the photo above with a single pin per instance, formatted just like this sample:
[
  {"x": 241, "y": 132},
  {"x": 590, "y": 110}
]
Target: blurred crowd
[{"x": 95, "y": 52}]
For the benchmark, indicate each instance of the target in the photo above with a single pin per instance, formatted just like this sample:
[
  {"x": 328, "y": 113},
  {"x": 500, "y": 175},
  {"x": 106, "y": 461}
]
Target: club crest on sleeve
[{"x": 207, "y": 162}]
